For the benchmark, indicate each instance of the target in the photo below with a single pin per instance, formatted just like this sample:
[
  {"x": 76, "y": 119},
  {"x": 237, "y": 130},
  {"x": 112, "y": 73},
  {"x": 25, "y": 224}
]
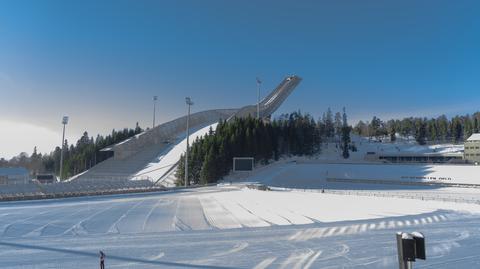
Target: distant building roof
[
  {"x": 474, "y": 137},
  {"x": 13, "y": 171}
]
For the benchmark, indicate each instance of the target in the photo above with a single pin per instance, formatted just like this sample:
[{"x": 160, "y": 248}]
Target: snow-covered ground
[
  {"x": 332, "y": 152},
  {"x": 351, "y": 225},
  {"x": 233, "y": 227},
  {"x": 317, "y": 174}
]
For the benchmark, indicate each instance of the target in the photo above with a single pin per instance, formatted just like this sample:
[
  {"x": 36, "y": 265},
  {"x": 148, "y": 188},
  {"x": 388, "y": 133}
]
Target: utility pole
[
  {"x": 64, "y": 122},
  {"x": 258, "y": 97},
  {"x": 189, "y": 104},
  {"x": 154, "y": 107}
]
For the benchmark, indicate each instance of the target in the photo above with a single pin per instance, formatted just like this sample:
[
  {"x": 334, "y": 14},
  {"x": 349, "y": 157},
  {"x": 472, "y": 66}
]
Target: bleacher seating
[
  {"x": 83, "y": 187},
  {"x": 123, "y": 169}
]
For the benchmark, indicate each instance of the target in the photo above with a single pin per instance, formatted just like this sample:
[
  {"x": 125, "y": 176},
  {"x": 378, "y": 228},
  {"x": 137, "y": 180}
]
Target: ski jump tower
[{"x": 135, "y": 153}]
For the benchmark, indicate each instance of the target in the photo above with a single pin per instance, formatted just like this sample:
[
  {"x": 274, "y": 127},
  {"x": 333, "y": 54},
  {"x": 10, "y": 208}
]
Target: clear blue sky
[{"x": 100, "y": 62}]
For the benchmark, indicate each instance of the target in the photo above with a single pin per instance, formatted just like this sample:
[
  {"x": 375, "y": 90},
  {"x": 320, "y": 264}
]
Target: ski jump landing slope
[{"x": 154, "y": 153}]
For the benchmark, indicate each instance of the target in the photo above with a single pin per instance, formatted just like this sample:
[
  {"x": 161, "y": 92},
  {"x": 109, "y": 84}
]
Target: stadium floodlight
[
  {"x": 189, "y": 103},
  {"x": 155, "y": 98},
  {"x": 64, "y": 122},
  {"x": 258, "y": 97}
]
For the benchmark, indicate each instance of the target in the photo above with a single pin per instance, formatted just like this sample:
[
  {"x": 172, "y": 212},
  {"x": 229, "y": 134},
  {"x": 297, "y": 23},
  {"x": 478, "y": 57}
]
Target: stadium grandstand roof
[
  {"x": 474, "y": 137},
  {"x": 11, "y": 171}
]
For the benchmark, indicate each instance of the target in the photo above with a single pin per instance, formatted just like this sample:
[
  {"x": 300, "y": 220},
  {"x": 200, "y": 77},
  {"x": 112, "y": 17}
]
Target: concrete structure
[
  {"x": 163, "y": 134},
  {"x": 472, "y": 148},
  {"x": 14, "y": 175},
  {"x": 272, "y": 102},
  {"x": 452, "y": 155},
  {"x": 420, "y": 157},
  {"x": 133, "y": 154}
]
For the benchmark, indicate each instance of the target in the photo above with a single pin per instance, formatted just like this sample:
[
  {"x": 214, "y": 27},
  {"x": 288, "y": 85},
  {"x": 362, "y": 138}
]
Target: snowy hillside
[{"x": 332, "y": 152}]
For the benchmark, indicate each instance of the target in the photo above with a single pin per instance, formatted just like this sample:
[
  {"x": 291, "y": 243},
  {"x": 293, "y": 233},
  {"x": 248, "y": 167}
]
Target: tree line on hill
[
  {"x": 294, "y": 134},
  {"x": 424, "y": 130},
  {"x": 76, "y": 157},
  {"x": 211, "y": 156}
]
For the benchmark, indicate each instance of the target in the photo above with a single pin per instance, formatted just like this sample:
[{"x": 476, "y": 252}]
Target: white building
[
  {"x": 472, "y": 148},
  {"x": 13, "y": 175}
]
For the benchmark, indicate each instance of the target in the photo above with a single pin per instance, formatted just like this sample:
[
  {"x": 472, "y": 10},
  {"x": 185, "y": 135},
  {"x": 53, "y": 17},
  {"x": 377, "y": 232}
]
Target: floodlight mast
[
  {"x": 258, "y": 97},
  {"x": 64, "y": 122},
  {"x": 155, "y": 98},
  {"x": 189, "y": 103}
]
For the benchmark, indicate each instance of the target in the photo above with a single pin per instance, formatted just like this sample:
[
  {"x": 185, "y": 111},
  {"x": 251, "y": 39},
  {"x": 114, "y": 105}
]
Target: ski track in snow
[
  {"x": 237, "y": 248},
  {"x": 297, "y": 259},
  {"x": 234, "y": 228},
  {"x": 265, "y": 263},
  {"x": 113, "y": 228}
]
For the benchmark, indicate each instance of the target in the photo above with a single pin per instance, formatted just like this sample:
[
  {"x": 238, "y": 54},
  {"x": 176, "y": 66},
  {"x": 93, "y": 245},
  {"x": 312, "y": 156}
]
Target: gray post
[
  {"x": 154, "y": 107},
  {"x": 258, "y": 97},
  {"x": 64, "y": 122},
  {"x": 401, "y": 262},
  {"x": 189, "y": 103}
]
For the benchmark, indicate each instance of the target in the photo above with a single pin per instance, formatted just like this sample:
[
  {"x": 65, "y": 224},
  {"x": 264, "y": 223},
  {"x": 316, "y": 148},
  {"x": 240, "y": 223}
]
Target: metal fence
[{"x": 389, "y": 194}]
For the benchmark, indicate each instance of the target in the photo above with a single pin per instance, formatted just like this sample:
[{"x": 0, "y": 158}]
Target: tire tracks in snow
[
  {"x": 297, "y": 259},
  {"x": 265, "y": 263},
  {"x": 236, "y": 248},
  {"x": 78, "y": 227},
  {"x": 113, "y": 228},
  {"x": 39, "y": 231}
]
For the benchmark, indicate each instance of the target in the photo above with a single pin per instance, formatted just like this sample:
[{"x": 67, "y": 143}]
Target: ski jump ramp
[{"x": 154, "y": 153}]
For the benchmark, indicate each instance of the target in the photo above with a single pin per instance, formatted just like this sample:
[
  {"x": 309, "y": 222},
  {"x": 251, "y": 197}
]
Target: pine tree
[
  {"x": 468, "y": 127},
  {"x": 338, "y": 124},
  {"x": 421, "y": 132},
  {"x": 393, "y": 134},
  {"x": 375, "y": 127},
  {"x": 207, "y": 173},
  {"x": 457, "y": 130},
  {"x": 345, "y": 136},
  {"x": 329, "y": 127},
  {"x": 475, "y": 125}
]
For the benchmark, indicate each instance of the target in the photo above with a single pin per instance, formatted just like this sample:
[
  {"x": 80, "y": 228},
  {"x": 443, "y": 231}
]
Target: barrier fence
[{"x": 387, "y": 194}]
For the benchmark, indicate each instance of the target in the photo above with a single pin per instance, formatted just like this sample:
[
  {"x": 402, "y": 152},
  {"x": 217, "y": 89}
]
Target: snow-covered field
[
  {"x": 351, "y": 225},
  {"x": 233, "y": 227},
  {"x": 314, "y": 174}
]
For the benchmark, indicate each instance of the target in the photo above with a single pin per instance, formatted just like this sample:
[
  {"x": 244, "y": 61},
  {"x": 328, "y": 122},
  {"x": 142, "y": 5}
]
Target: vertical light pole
[
  {"x": 258, "y": 97},
  {"x": 189, "y": 104},
  {"x": 64, "y": 122},
  {"x": 154, "y": 107}
]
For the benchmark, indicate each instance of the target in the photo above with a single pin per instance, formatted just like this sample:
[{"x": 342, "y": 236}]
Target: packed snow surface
[
  {"x": 321, "y": 213},
  {"x": 234, "y": 227}
]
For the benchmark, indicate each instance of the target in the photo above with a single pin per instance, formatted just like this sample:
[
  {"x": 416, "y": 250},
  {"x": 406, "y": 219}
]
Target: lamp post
[
  {"x": 154, "y": 107},
  {"x": 64, "y": 122},
  {"x": 258, "y": 97},
  {"x": 189, "y": 104}
]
